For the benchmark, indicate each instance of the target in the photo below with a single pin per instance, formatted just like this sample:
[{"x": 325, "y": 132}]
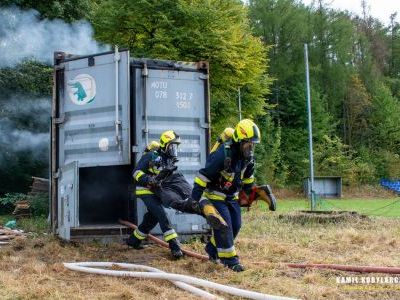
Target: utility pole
[{"x": 310, "y": 141}]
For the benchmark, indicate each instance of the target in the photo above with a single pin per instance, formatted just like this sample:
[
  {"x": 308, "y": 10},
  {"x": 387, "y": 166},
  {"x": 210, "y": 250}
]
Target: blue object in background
[{"x": 393, "y": 185}]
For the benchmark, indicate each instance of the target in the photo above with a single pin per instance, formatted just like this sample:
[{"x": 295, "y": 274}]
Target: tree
[
  {"x": 214, "y": 30},
  {"x": 68, "y": 10},
  {"x": 357, "y": 106}
]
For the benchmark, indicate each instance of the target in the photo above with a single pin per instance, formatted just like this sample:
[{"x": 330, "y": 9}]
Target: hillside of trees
[{"x": 257, "y": 47}]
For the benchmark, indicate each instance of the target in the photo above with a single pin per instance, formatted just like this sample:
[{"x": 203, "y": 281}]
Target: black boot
[
  {"x": 134, "y": 242},
  {"x": 236, "y": 267},
  {"x": 175, "y": 248},
  {"x": 188, "y": 206}
]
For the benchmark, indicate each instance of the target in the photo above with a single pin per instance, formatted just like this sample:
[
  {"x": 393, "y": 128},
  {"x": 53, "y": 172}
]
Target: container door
[
  {"x": 175, "y": 100},
  {"x": 94, "y": 110},
  {"x": 68, "y": 180}
]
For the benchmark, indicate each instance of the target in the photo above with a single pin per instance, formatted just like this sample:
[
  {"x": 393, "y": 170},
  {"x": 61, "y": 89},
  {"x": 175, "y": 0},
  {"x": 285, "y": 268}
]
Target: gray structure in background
[
  {"x": 325, "y": 186},
  {"x": 106, "y": 107}
]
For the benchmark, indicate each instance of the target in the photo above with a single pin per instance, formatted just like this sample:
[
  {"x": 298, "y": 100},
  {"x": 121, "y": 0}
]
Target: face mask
[
  {"x": 172, "y": 150},
  {"x": 247, "y": 150}
]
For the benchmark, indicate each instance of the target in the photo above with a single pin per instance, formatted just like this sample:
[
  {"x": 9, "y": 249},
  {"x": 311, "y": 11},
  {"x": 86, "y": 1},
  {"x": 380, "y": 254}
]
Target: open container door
[
  {"x": 91, "y": 126},
  {"x": 68, "y": 187}
]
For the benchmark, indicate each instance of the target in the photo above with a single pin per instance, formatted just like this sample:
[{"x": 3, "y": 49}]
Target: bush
[
  {"x": 7, "y": 202},
  {"x": 39, "y": 204}
]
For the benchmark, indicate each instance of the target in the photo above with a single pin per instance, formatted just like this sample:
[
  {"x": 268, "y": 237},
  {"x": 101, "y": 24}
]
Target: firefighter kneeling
[
  {"x": 229, "y": 168},
  {"x": 157, "y": 158}
]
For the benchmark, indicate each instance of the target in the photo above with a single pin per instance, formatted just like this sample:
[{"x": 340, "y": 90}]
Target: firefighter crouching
[
  {"x": 155, "y": 159},
  {"x": 228, "y": 169}
]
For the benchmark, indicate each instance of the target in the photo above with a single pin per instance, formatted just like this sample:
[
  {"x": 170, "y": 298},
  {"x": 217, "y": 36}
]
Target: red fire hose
[
  {"x": 360, "y": 269},
  {"x": 164, "y": 244}
]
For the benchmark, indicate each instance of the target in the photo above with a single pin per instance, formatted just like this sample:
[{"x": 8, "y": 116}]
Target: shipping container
[{"x": 106, "y": 107}]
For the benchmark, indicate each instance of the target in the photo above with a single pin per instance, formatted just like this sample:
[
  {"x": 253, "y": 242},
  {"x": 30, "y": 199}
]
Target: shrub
[
  {"x": 7, "y": 202},
  {"x": 39, "y": 204}
]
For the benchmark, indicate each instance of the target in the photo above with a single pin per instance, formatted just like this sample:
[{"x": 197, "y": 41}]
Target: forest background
[{"x": 257, "y": 46}]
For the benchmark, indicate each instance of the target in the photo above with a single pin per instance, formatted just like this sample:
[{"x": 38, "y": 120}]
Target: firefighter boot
[
  {"x": 213, "y": 217},
  {"x": 188, "y": 206},
  {"x": 134, "y": 242},
  {"x": 236, "y": 267},
  {"x": 175, "y": 248}
]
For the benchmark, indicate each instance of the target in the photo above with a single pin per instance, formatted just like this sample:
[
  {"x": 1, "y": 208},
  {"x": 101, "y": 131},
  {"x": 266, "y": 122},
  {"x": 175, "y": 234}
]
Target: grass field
[
  {"x": 370, "y": 207},
  {"x": 32, "y": 268}
]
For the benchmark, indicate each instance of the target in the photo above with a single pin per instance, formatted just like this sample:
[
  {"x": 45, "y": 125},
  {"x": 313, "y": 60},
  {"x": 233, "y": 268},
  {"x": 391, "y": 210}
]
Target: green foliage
[
  {"x": 270, "y": 167},
  {"x": 293, "y": 113},
  {"x": 354, "y": 69},
  {"x": 357, "y": 106},
  {"x": 385, "y": 120},
  {"x": 39, "y": 204},
  {"x": 68, "y": 10},
  {"x": 333, "y": 158},
  {"x": 217, "y": 31},
  {"x": 28, "y": 77},
  {"x": 7, "y": 202},
  {"x": 355, "y": 110}
]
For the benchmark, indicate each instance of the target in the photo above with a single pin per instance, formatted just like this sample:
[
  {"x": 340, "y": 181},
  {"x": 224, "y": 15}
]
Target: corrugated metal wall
[
  {"x": 174, "y": 100},
  {"x": 87, "y": 133}
]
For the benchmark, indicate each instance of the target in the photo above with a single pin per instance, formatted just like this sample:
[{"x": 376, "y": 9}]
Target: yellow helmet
[
  {"x": 168, "y": 137},
  {"x": 227, "y": 134},
  {"x": 153, "y": 146},
  {"x": 246, "y": 130}
]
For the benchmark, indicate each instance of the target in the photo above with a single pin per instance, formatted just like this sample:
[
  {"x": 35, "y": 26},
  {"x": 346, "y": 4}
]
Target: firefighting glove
[{"x": 154, "y": 183}]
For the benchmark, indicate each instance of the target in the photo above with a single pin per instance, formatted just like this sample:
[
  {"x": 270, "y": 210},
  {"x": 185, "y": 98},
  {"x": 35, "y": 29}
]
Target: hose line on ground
[
  {"x": 360, "y": 269},
  {"x": 164, "y": 244},
  {"x": 182, "y": 281}
]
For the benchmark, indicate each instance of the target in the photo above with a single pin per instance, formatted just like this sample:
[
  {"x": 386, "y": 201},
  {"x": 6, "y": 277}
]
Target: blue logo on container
[{"x": 82, "y": 89}]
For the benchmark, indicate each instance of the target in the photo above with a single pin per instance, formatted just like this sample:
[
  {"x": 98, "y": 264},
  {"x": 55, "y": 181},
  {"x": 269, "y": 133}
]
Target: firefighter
[
  {"x": 224, "y": 137},
  {"x": 228, "y": 169},
  {"x": 146, "y": 176}
]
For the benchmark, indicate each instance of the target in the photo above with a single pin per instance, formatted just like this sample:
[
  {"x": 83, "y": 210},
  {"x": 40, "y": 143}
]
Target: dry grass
[{"x": 32, "y": 268}]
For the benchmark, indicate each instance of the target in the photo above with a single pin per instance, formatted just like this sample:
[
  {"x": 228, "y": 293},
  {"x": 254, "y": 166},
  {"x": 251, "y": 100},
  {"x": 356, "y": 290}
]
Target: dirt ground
[{"x": 32, "y": 268}]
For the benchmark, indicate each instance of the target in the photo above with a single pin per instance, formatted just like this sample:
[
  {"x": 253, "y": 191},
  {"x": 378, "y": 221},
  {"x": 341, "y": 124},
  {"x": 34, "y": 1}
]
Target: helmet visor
[{"x": 172, "y": 150}]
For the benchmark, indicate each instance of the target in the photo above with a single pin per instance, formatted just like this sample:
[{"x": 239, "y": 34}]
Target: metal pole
[
  {"x": 117, "y": 120},
  {"x": 310, "y": 142},
  {"x": 145, "y": 74},
  {"x": 240, "y": 105}
]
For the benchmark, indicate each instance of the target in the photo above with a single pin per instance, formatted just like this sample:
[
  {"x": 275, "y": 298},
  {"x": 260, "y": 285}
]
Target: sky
[{"x": 380, "y": 9}]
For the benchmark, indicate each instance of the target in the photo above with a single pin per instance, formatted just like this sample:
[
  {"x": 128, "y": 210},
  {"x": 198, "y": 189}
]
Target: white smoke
[
  {"x": 23, "y": 35},
  {"x": 36, "y": 114}
]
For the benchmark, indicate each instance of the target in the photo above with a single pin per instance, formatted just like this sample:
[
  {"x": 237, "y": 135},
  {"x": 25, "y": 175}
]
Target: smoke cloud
[
  {"x": 24, "y": 120},
  {"x": 23, "y": 36},
  {"x": 34, "y": 137}
]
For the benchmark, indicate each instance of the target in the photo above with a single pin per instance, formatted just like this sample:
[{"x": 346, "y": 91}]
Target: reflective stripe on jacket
[{"x": 219, "y": 181}]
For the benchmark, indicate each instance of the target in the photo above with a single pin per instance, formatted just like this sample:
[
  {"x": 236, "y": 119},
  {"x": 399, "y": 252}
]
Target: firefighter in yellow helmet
[
  {"x": 152, "y": 146},
  {"x": 146, "y": 177},
  {"x": 224, "y": 137},
  {"x": 228, "y": 169}
]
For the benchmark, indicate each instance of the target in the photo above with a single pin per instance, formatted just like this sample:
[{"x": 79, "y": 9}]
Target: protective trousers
[
  {"x": 221, "y": 244},
  {"x": 155, "y": 214}
]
